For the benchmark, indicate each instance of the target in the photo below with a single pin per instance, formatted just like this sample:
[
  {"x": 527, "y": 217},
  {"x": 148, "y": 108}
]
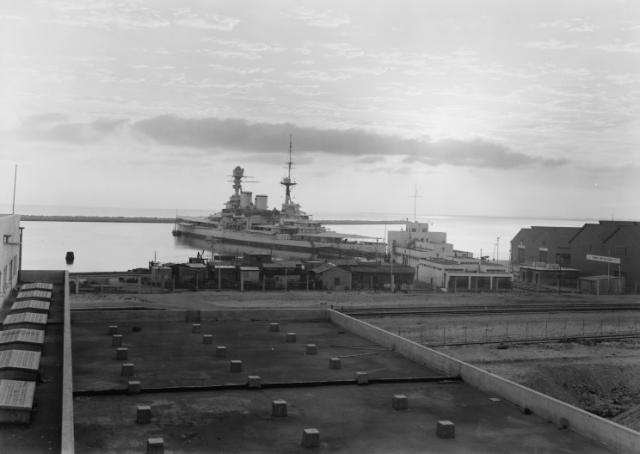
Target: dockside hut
[
  {"x": 191, "y": 275},
  {"x": 328, "y": 276},
  {"x": 380, "y": 276},
  {"x": 285, "y": 274}
]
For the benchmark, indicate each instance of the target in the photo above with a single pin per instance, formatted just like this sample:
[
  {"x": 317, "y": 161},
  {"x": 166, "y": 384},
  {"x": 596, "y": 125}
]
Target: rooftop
[{"x": 198, "y": 404}]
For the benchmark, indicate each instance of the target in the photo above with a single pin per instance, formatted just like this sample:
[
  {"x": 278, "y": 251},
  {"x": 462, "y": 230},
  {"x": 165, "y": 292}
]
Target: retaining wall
[
  {"x": 51, "y": 276},
  {"x": 619, "y": 438},
  {"x": 67, "y": 436},
  {"x": 170, "y": 315}
]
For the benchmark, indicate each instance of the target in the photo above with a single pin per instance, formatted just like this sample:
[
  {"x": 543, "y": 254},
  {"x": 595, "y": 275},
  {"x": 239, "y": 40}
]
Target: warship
[{"x": 248, "y": 225}]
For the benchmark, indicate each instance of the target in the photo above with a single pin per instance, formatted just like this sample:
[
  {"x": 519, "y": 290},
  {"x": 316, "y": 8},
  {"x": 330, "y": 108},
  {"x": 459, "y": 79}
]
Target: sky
[{"x": 500, "y": 108}]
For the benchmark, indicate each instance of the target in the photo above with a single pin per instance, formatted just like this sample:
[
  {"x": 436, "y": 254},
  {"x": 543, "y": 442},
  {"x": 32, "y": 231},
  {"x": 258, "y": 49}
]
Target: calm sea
[{"x": 101, "y": 246}]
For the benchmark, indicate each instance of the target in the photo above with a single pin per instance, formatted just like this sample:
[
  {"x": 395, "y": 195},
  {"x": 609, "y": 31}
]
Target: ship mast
[{"x": 286, "y": 181}]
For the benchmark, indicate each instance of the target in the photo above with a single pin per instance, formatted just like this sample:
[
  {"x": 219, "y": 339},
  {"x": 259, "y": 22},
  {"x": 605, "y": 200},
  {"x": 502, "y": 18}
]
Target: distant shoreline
[{"x": 161, "y": 220}]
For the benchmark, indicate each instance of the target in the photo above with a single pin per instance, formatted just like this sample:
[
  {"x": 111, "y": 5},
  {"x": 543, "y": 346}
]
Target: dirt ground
[{"x": 600, "y": 377}]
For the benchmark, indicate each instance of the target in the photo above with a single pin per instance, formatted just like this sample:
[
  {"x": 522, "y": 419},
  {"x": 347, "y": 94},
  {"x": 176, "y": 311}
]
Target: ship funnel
[
  {"x": 261, "y": 202},
  {"x": 245, "y": 199}
]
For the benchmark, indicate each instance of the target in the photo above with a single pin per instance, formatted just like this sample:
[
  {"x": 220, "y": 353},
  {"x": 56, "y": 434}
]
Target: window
[
  {"x": 543, "y": 256},
  {"x": 620, "y": 251},
  {"x": 336, "y": 281}
]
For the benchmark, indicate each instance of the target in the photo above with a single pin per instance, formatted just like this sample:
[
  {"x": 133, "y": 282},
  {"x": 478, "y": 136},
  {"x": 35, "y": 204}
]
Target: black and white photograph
[{"x": 305, "y": 226}]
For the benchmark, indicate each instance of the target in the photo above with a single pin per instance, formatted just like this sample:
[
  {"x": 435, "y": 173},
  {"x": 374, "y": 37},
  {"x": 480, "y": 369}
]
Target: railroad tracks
[{"x": 488, "y": 309}]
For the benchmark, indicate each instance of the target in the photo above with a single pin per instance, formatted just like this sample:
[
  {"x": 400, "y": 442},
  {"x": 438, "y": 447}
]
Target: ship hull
[{"x": 230, "y": 241}]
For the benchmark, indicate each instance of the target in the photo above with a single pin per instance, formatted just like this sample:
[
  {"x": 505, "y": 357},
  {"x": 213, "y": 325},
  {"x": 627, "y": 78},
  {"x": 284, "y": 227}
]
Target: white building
[
  {"x": 416, "y": 242},
  {"x": 438, "y": 264},
  {"x": 460, "y": 274},
  {"x": 9, "y": 254}
]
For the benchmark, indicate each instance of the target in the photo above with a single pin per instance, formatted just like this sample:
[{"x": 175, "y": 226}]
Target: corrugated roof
[
  {"x": 324, "y": 267},
  {"x": 396, "y": 269}
]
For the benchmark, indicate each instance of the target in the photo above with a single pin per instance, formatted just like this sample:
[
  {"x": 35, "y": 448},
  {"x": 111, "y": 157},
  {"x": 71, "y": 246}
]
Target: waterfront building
[
  {"x": 10, "y": 253},
  {"x": 542, "y": 244},
  {"x": 617, "y": 239},
  {"x": 329, "y": 276},
  {"x": 539, "y": 251},
  {"x": 437, "y": 264},
  {"x": 463, "y": 274}
]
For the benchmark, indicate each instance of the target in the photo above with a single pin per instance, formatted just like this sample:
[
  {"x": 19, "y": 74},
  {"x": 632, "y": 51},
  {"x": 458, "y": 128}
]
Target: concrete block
[
  {"x": 143, "y": 414},
  {"x": 255, "y": 382},
  {"x": 274, "y": 327},
  {"x": 133, "y": 386},
  {"x": 312, "y": 349},
  {"x": 291, "y": 337},
  {"x": 155, "y": 445},
  {"x": 335, "y": 363},
  {"x": 221, "y": 351},
  {"x": 122, "y": 353},
  {"x": 445, "y": 429},
  {"x": 113, "y": 329},
  {"x": 127, "y": 370},
  {"x": 310, "y": 438},
  {"x": 196, "y": 328},
  {"x": 362, "y": 378},
  {"x": 235, "y": 365},
  {"x": 207, "y": 339},
  {"x": 400, "y": 402},
  {"x": 279, "y": 408},
  {"x": 116, "y": 340}
]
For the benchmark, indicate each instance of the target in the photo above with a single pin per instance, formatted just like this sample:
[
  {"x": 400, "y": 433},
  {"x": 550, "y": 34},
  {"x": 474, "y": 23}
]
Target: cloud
[
  {"x": 56, "y": 128},
  {"x": 572, "y": 25},
  {"x": 325, "y": 19},
  {"x": 105, "y": 14},
  {"x": 550, "y": 44},
  {"x": 621, "y": 47},
  {"x": 187, "y": 18},
  {"x": 234, "y": 134}
]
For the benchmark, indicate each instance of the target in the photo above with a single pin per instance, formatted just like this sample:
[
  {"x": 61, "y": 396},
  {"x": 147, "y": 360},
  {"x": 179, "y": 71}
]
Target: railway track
[{"x": 488, "y": 309}]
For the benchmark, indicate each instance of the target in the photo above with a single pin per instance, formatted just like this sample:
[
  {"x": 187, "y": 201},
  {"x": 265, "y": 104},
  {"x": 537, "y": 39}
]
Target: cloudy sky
[{"x": 527, "y": 108}]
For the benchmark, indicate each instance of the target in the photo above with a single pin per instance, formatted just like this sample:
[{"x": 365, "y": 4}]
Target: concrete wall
[
  {"x": 9, "y": 254},
  {"x": 67, "y": 436},
  {"x": 610, "y": 434},
  {"x": 51, "y": 276},
  {"x": 203, "y": 315}
]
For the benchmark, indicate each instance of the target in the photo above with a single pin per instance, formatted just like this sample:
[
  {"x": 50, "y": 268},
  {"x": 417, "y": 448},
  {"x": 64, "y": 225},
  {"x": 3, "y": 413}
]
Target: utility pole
[
  {"x": 15, "y": 178},
  {"x": 415, "y": 197}
]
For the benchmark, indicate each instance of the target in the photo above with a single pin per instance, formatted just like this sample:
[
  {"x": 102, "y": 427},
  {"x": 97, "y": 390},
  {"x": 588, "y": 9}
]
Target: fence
[{"x": 512, "y": 331}]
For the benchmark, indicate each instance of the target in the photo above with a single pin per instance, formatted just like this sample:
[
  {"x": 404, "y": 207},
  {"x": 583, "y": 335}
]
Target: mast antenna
[
  {"x": 286, "y": 181},
  {"x": 415, "y": 197},
  {"x": 290, "y": 151},
  {"x": 15, "y": 179}
]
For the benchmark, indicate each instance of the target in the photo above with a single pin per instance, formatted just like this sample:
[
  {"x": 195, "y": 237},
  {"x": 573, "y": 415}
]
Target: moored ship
[{"x": 248, "y": 225}]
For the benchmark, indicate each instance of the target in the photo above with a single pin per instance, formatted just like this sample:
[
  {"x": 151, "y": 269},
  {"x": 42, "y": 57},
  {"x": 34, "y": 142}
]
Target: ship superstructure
[{"x": 249, "y": 224}]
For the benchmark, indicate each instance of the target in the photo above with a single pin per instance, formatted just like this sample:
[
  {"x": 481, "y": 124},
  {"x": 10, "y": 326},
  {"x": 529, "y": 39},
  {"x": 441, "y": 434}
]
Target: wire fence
[{"x": 513, "y": 331}]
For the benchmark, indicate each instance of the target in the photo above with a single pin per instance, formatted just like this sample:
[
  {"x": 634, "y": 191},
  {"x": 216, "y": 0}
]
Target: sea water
[{"x": 111, "y": 246}]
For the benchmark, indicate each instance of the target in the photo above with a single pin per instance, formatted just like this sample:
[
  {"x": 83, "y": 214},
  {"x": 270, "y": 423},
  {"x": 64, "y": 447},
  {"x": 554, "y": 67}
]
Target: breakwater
[{"x": 163, "y": 220}]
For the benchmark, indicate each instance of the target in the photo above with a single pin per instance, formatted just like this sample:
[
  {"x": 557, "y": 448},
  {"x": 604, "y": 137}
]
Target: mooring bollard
[
  {"x": 122, "y": 353},
  {"x": 143, "y": 414},
  {"x": 279, "y": 408},
  {"x": 335, "y": 363},
  {"x": 400, "y": 402},
  {"x": 445, "y": 429},
  {"x": 310, "y": 438}
]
